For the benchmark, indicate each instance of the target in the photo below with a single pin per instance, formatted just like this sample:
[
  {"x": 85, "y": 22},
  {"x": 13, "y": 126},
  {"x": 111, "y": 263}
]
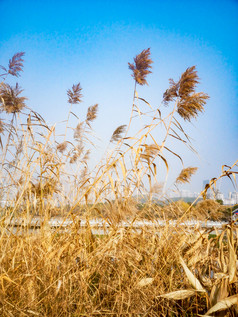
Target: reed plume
[
  {"x": 15, "y": 65},
  {"x": 78, "y": 131},
  {"x": 92, "y": 113},
  {"x": 150, "y": 151},
  {"x": 141, "y": 67},
  {"x": 189, "y": 107},
  {"x": 188, "y": 82},
  {"x": 19, "y": 147},
  {"x": 76, "y": 154},
  {"x": 74, "y": 95},
  {"x": 10, "y": 101},
  {"x": 86, "y": 156},
  {"x": 44, "y": 189},
  {"x": 186, "y": 174},
  {"x": 171, "y": 92},
  {"x": 189, "y": 103},
  {"x": 117, "y": 134},
  {"x": 62, "y": 147},
  {"x": 73, "y": 158}
]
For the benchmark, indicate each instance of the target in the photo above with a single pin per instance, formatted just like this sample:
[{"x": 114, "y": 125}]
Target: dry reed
[{"x": 121, "y": 268}]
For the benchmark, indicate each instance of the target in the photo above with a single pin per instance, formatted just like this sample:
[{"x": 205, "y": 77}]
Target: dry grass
[
  {"x": 150, "y": 271},
  {"x": 121, "y": 273}
]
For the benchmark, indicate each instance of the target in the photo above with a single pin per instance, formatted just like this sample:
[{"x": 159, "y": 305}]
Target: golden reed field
[{"x": 169, "y": 270}]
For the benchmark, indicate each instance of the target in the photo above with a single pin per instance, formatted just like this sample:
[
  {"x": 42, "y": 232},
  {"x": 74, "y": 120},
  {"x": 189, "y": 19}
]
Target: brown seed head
[
  {"x": 185, "y": 175},
  {"x": 10, "y": 102},
  {"x": 74, "y": 94},
  {"x": 62, "y": 147},
  {"x": 92, "y": 113},
  {"x": 19, "y": 147},
  {"x": 46, "y": 188},
  {"x": 76, "y": 154},
  {"x": 150, "y": 151},
  {"x": 15, "y": 64},
  {"x": 141, "y": 67},
  {"x": 78, "y": 131},
  {"x": 189, "y": 102},
  {"x": 189, "y": 106},
  {"x": 86, "y": 156},
  {"x": 188, "y": 82},
  {"x": 116, "y": 136},
  {"x": 171, "y": 92},
  {"x": 73, "y": 158}
]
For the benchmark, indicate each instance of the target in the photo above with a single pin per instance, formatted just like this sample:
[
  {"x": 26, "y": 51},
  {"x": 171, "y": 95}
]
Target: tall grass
[{"x": 151, "y": 271}]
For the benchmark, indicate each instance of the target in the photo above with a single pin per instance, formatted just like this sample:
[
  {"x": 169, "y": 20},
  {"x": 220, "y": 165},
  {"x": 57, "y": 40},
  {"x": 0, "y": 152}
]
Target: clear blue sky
[{"x": 91, "y": 42}]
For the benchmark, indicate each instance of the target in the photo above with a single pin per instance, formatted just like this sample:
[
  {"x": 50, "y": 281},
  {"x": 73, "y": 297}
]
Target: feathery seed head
[
  {"x": 74, "y": 95},
  {"x": 78, "y": 131},
  {"x": 189, "y": 107},
  {"x": 188, "y": 82},
  {"x": 186, "y": 174},
  {"x": 92, "y": 112},
  {"x": 189, "y": 102},
  {"x": 10, "y": 102},
  {"x": 141, "y": 67},
  {"x": 116, "y": 136},
  {"x": 19, "y": 147},
  {"x": 76, "y": 154},
  {"x": 171, "y": 92},
  {"x": 15, "y": 64},
  {"x": 62, "y": 147},
  {"x": 73, "y": 158},
  {"x": 86, "y": 156}
]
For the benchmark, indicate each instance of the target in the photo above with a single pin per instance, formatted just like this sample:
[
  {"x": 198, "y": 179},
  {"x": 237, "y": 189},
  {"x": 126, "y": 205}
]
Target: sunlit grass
[{"x": 169, "y": 270}]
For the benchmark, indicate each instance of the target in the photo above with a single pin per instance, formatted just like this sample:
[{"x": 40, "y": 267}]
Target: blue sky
[{"x": 91, "y": 42}]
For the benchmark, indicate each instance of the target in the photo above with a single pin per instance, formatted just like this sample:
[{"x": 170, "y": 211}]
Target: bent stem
[{"x": 225, "y": 173}]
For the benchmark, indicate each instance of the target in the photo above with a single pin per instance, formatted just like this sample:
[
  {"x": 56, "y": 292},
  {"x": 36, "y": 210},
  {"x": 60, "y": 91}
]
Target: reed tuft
[
  {"x": 62, "y": 147},
  {"x": 171, "y": 92},
  {"x": 74, "y": 94},
  {"x": 10, "y": 101},
  {"x": 141, "y": 67},
  {"x": 92, "y": 112},
  {"x": 189, "y": 103},
  {"x": 15, "y": 65},
  {"x": 188, "y": 82},
  {"x": 117, "y": 134},
  {"x": 78, "y": 131},
  {"x": 186, "y": 174}
]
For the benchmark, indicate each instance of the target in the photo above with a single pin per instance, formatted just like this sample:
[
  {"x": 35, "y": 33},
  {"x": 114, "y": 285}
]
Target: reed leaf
[
  {"x": 179, "y": 295},
  {"x": 145, "y": 282},
  {"x": 223, "y": 304},
  {"x": 192, "y": 279}
]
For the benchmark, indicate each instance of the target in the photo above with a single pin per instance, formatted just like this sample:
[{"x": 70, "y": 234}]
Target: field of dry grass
[{"x": 167, "y": 271}]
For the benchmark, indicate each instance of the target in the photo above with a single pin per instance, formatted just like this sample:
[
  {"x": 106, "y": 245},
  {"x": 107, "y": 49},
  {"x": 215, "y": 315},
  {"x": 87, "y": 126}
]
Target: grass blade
[
  {"x": 178, "y": 295},
  {"x": 192, "y": 279},
  {"x": 223, "y": 304}
]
